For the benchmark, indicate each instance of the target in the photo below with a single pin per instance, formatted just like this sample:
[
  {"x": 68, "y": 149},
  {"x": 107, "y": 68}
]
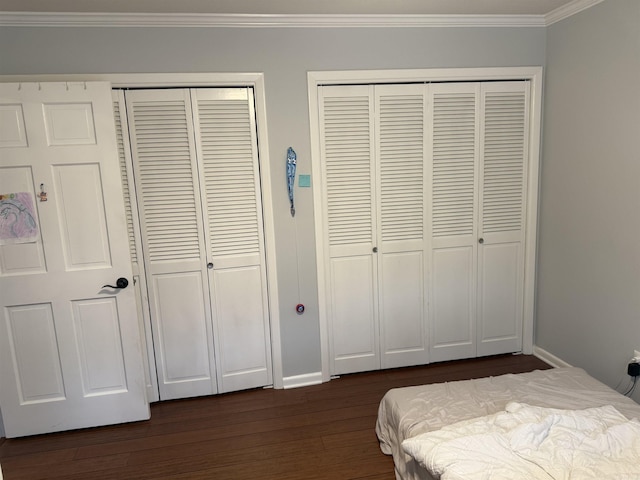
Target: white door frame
[
  {"x": 186, "y": 80},
  {"x": 352, "y": 77}
]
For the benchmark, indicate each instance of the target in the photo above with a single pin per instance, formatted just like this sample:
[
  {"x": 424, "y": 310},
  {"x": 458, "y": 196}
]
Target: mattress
[{"x": 406, "y": 412}]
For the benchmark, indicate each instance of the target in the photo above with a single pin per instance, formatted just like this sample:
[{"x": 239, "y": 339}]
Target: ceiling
[{"x": 295, "y": 7}]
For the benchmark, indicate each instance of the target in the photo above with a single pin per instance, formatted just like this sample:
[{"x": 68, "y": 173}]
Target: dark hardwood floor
[{"x": 318, "y": 432}]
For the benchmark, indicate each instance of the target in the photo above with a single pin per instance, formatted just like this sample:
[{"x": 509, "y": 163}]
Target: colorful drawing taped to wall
[{"x": 17, "y": 218}]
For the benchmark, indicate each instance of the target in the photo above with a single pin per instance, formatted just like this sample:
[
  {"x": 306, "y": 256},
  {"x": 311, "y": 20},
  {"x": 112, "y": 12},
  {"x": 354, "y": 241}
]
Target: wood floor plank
[{"x": 313, "y": 433}]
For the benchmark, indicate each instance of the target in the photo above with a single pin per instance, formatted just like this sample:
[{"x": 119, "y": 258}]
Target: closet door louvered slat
[
  {"x": 168, "y": 193},
  {"x": 454, "y": 130},
  {"x": 229, "y": 175},
  {"x": 135, "y": 242},
  {"x": 348, "y": 171},
  {"x": 503, "y": 162},
  {"x": 400, "y": 147}
]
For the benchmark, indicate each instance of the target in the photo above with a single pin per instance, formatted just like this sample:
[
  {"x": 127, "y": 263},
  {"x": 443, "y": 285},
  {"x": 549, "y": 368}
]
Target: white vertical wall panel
[{"x": 34, "y": 350}]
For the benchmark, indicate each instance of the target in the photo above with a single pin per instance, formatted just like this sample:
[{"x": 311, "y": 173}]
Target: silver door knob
[
  {"x": 209, "y": 265},
  {"x": 481, "y": 240}
]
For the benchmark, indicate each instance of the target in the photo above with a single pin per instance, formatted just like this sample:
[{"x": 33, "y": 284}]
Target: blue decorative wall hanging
[{"x": 291, "y": 176}]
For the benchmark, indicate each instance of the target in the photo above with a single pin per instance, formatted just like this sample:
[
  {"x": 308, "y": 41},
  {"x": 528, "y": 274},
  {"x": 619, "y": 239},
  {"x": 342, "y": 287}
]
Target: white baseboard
[
  {"x": 302, "y": 380},
  {"x": 550, "y": 358}
]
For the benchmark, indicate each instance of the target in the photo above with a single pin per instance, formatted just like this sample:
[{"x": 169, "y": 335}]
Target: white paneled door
[
  {"x": 372, "y": 143},
  {"x": 197, "y": 180},
  {"x": 422, "y": 228},
  {"x": 479, "y": 169},
  {"x": 70, "y": 351}
]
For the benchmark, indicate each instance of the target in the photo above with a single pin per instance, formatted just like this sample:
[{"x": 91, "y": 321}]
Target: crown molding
[
  {"x": 568, "y": 10},
  {"x": 83, "y": 19},
  {"x": 75, "y": 19}
]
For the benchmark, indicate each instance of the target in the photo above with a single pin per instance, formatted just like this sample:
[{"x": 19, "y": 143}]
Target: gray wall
[
  {"x": 284, "y": 55},
  {"x": 588, "y": 295}
]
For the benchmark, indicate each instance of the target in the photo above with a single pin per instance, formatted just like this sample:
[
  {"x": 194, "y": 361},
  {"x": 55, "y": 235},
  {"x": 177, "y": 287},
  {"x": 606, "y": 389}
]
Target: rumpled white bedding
[
  {"x": 410, "y": 411},
  {"x": 530, "y": 442}
]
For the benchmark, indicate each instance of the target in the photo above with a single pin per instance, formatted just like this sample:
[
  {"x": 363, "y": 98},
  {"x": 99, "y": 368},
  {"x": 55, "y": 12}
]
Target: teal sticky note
[{"x": 304, "y": 181}]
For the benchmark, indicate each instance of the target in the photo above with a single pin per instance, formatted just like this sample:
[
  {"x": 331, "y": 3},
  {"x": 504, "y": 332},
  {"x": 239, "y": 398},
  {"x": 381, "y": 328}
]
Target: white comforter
[{"x": 527, "y": 442}]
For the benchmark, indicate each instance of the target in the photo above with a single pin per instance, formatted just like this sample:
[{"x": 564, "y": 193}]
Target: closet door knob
[
  {"x": 375, "y": 249},
  {"x": 481, "y": 240},
  {"x": 209, "y": 265}
]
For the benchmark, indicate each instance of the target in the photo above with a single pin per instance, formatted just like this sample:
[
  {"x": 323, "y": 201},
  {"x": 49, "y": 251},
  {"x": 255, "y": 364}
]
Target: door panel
[
  {"x": 97, "y": 328},
  {"x": 21, "y": 258},
  {"x": 168, "y": 194},
  {"x": 355, "y": 345},
  {"x": 503, "y": 165},
  {"x": 70, "y": 349},
  {"x": 197, "y": 179},
  {"x": 78, "y": 190},
  {"x": 402, "y": 310},
  {"x": 243, "y": 356},
  {"x": 135, "y": 243},
  {"x": 500, "y": 299},
  {"x": 453, "y": 304},
  {"x": 348, "y": 186},
  {"x": 181, "y": 325},
  {"x": 227, "y": 149},
  {"x": 454, "y": 132},
  {"x": 401, "y": 215},
  {"x": 31, "y": 330}
]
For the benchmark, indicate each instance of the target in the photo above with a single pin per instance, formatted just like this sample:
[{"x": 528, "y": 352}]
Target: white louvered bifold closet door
[
  {"x": 348, "y": 183},
  {"x": 453, "y": 130},
  {"x": 164, "y": 154},
  {"x": 135, "y": 242},
  {"x": 400, "y": 112},
  {"x": 478, "y": 158},
  {"x": 503, "y": 167},
  {"x": 229, "y": 174}
]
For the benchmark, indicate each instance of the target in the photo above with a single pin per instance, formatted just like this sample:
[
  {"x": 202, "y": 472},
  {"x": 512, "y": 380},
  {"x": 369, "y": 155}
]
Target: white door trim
[
  {"x": 350, "y": 77},
  {"x": 184, "y": 80}
]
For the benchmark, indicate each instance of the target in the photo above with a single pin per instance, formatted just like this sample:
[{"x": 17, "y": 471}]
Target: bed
[{"x": 412, "y": 413}]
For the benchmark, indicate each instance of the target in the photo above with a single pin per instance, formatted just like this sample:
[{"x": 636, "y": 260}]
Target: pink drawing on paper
[{"x": 17, "y": 218}]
